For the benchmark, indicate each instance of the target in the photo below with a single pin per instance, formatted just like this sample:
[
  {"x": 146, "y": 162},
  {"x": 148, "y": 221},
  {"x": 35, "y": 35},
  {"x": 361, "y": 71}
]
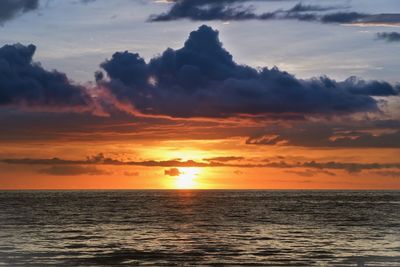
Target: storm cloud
[
  {"x": 25, "y": 83},
  {"x": 201, "y": 79}
]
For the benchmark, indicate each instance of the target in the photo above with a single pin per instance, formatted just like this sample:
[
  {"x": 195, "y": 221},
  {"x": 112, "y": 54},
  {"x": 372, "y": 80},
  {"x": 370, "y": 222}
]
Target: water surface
[{"x": 186, "y": 228}]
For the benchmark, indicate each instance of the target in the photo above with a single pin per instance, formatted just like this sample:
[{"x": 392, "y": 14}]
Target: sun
[{"x": 187, "y": 178}]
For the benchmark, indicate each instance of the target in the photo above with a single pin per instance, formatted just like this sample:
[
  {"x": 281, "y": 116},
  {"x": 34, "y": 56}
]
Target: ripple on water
[{"x": 253, "y": 228}]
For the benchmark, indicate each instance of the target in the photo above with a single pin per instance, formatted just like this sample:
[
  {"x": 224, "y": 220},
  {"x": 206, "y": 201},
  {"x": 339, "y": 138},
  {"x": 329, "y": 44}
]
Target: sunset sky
[{"x": 202, "y": 94}]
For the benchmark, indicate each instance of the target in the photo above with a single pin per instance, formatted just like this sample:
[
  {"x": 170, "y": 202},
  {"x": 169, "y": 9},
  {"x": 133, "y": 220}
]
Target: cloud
[
  {"x": 311, "y": 173},
  {"x": 224, "y": 159},
  {"x": 206, "y": 10},
  {"x": 351, "y": 167},
  {"x": 389, "y": 20},
  {"x": 100, "y": 159},
  {"x": 72, "y": 170},
  {"x": 12, "y": 8},
  {"x": 300, "y": 7},
  {"x": 199, "y": 10},
  {"x": 388, "y": 36},
  {"x": 172, "y": 172},
  {"x": 202, "y": 80},
  {"x": 25, "y": 83},
  {"x": 328, "y": 135}
]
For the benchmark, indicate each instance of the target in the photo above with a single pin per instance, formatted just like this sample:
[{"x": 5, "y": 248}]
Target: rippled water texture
[{"x": 185, "y": 228}]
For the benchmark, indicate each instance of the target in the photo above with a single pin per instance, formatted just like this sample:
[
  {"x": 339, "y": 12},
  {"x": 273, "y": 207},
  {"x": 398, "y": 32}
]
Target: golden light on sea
[{"x": 188, "y": 178}]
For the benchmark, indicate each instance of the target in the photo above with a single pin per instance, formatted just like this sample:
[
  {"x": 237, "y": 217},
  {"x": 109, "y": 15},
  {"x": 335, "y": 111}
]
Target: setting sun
[{"x": 187, "y": 178}]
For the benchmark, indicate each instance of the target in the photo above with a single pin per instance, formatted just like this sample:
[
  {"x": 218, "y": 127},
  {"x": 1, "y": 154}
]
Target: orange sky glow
[{"x": 245, "y": 169}]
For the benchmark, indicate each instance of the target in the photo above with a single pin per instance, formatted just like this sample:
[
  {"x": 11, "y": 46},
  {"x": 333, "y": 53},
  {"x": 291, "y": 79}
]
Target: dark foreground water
[{"x": 186, "y": 228}]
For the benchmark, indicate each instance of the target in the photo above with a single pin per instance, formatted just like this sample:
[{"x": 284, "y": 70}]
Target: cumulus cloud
[
  {"x": 12, "y": 8},
  {"x": 25, "y": 83},
  {"x": 388, "y": 36},
  {"x": 201, "y": 79}
]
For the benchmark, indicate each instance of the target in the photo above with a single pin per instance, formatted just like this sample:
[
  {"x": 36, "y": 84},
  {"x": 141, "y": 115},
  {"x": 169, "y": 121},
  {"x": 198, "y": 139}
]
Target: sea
[{"x": 199, "y": 228}]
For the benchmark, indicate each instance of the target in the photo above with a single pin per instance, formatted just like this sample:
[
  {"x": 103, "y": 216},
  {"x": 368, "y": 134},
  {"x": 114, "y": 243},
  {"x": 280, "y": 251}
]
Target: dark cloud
[
  {"x": 234, "y": 10},
  {"x": 205, "y": 10},
  {"x": 377, "y": 19},
  {"x": 202, "y": 80},
  {"x": 389, "y": 36},
  {"x": 300, "y": 7},
  {"x": 12, "y": 8},
  {"x": 172, "y": 172},
  {"x": 327, "y": 135},
  {"x": 25, "y": 83},
  {"x": 357, "y": 18},
  {"x": 343, "y": 17},
  {"x": 351, "y": 167},
  {"x": 72, "y": 170}
]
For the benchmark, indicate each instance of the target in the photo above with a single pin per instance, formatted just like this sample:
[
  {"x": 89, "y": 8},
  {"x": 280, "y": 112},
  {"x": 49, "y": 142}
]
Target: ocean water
[{"x": 204, "y": 228}]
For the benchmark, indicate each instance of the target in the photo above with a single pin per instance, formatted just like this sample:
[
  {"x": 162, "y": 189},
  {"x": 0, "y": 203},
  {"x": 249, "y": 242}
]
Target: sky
[{"x": 199, "y": 94}]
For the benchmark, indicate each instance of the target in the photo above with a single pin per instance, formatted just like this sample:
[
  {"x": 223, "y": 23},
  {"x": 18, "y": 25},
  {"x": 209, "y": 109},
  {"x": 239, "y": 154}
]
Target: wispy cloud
[
  {"x": 72, "y": 170},
  {"x": 231, "y": 11}
]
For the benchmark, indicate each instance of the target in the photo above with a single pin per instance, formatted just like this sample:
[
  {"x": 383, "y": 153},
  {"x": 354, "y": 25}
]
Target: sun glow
[{"x": 187, "y": 178}]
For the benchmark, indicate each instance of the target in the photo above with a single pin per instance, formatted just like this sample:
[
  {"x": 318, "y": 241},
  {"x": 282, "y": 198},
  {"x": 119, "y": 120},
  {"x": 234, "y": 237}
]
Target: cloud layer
[{"x": 76, "y": 167}]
